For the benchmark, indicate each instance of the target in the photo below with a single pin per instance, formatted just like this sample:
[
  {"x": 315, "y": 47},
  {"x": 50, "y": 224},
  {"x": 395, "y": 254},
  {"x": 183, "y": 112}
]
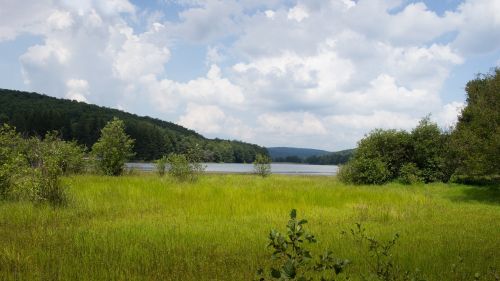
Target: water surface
[{"x": 276, "y": 168}]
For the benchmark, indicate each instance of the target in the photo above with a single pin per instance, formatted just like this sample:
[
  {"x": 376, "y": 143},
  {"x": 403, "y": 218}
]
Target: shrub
[
  {"x": 161, "y": 165},
  {"x": 262, "y": 165},
  {"x": 11, "y": 159},
  {"x": 410, "y": 174},
  {"x": 345, "y": 173},
  {"x": 182, "y": 169},
  {"x": 30, "y": 169},
  {"x": 365, "y": 171},
  {"x": 113, "y": 148}
]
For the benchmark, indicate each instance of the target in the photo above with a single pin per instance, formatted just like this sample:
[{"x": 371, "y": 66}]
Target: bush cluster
[
  {"x": 467, "y": 154},
  {"x": 30, "y": 168},
  {"x": 385, "y": 155}
]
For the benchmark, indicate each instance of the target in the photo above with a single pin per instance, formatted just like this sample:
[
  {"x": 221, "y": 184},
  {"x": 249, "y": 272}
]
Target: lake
[{"x": 276, "y": 168}]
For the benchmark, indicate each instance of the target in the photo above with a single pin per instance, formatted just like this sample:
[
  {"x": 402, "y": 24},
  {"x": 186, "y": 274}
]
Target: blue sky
[{"x": 316, "y": 73}]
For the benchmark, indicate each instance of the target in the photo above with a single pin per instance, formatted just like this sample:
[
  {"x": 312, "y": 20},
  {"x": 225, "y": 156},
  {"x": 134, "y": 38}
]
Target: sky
[{"x": 316, "y": 73}]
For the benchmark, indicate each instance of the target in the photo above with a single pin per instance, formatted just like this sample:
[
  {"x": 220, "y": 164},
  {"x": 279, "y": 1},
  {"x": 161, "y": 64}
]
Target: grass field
[{"x": 148, "y": 228}]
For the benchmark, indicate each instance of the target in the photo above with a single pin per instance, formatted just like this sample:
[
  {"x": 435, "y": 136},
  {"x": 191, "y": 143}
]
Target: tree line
[
  {"x": 333, "y": 158},
  {"x": 34, "y": 114},
  {"x": 467, "y": 153}
]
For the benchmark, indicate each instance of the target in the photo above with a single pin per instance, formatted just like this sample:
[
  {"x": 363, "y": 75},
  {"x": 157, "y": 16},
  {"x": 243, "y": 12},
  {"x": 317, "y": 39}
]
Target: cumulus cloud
[
  {"x": 307, "y": 73},
  {"x": 298, "y": 13},
  {"x": 78, "y": 89},
  {"x": 211, "y": 89},
  {"x": 212, "y": 121}
]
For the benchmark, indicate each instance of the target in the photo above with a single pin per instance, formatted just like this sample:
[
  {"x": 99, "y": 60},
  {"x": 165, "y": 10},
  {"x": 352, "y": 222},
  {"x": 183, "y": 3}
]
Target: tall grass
[{"x": 144, "y": 227}]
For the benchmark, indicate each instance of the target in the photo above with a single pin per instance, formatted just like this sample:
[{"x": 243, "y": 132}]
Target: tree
[
  {"x": 428, "y": 151},
  {"x": 113, "y": 148},
  {"x": 262, "y": 165},
  {"x": 476, "y": 139}
]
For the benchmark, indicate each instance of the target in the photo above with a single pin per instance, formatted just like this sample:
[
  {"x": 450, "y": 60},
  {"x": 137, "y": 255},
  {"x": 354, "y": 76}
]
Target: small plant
[
  {"x": 262, "y": 165},
  {"x": 294, "y": 261},
  {"x": 161, "y": 165},
  {"x": 379, "y": 256},
  {"x": 181, "y": 168}
]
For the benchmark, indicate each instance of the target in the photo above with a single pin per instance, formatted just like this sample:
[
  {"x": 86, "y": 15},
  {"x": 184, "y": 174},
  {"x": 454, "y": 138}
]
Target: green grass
[{"x": 149, "y": 228}]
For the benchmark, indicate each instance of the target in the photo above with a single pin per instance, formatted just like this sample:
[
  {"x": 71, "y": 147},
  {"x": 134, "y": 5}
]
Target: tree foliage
[
  {"x": 475, "y": 142},
  {"x": 30, "y": 168},
  {"x": 34, "y": 115},
  {"x": 385, "y": 155},
  {"x": 113, "y": 148}
]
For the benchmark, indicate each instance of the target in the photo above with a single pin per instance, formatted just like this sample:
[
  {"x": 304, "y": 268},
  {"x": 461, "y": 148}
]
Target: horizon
[{"x": 300, "y": 74}]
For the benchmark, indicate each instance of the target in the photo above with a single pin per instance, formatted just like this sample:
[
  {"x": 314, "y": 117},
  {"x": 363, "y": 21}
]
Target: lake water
[{"x": 276, "y": 168}]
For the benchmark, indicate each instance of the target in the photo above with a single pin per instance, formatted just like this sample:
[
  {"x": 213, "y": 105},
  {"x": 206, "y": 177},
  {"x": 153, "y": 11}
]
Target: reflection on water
[{"x": 276, "y": 168}]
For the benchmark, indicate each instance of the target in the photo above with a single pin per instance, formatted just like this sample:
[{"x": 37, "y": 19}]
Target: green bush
[
  {"x": 385, "y": 155},
  {"x": 262, "y": 165},
  {"x": 161, "y": 166},
  {"x": 30, "y": 168},
  {"x": 365, "y": 171},
  {"x": 113, "y": 148},
  {"x": 410, "y": 174},
  {"x": 181, "y": 168},
  {"x": 12, "y": 161}
]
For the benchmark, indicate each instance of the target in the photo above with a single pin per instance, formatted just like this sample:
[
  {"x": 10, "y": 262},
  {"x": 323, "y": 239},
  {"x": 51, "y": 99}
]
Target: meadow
[{"x": 143, "y": 227}]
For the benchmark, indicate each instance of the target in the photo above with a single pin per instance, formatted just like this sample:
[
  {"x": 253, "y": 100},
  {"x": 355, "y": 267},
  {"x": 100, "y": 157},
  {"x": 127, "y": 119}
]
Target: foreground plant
[{"x": 294, "y": 261}]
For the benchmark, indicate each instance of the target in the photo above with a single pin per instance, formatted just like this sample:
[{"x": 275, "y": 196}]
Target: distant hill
[
  {"x": 34, "y": 114},
  {"x": 309, "y": 156},
  {"x": 283, "y": 152},
  {"x": 333, "y": 158}
]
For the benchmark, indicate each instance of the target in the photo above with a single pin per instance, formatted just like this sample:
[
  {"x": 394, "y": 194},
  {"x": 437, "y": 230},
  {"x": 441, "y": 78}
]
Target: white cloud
[
  {"x": 377, "y": 119},
  {"x": 291, "y": 124},
  {"x": 270, "y": 14},
  {"x": 60, "y": 20},
  {"x": 448, "y": 115},
  {"x": 298, "y": 13},
  {"x": 212, "y": 89},
  {"x": 214, "y": 55},
  {"x": 78, "y": 89},
  {"x": 212, "y": 121},
  {"x": 319, "y": 73},
  {"x": 137, "y": 56},
  {"x": 479, "y": 26}
]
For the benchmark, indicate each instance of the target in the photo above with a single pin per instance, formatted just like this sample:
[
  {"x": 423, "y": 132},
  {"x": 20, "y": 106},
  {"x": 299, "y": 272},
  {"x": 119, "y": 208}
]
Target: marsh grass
[{"x": 143, "y": 227}]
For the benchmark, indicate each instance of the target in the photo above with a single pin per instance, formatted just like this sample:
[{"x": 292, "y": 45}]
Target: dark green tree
[{"x": 476, "y": 139}]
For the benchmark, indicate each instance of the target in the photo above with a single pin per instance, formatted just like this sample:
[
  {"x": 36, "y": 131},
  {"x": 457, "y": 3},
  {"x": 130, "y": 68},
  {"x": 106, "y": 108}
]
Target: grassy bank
[{"x": 147, "y": 228}]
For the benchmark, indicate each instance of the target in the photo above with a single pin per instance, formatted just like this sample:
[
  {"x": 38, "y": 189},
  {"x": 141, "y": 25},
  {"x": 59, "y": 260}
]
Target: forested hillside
[
  {"x": 36, "y": 114},
  {"x": 283, "y": 152},
  {"x": 309, "y": 156}
]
